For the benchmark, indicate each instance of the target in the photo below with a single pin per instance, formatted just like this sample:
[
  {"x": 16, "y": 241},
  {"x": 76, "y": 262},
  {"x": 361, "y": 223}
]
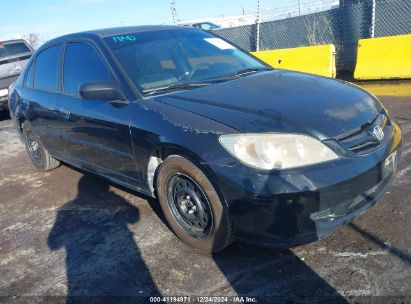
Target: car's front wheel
[
  {"x": 38, "y": 154},
  {"x": 191, "y": 205}
]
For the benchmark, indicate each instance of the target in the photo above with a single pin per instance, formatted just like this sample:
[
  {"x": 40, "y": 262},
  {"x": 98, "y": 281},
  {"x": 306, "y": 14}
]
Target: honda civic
[{"x": 232, "y": 149}]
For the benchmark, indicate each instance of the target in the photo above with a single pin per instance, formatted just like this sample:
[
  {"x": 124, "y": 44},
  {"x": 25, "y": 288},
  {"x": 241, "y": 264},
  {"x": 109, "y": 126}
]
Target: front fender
[{"x": 156, "y": 127}]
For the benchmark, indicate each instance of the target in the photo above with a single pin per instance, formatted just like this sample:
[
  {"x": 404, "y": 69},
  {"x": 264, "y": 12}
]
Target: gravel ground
[{"x": 68, "y": 233}]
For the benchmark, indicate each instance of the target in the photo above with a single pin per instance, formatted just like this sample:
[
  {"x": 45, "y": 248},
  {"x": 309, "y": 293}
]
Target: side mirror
[{"x": 101, "y": 90}]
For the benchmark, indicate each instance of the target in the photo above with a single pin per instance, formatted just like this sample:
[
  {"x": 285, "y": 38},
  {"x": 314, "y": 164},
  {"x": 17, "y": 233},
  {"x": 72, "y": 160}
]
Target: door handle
[
  {"x": 65, "y": 112},
  {"x": 119, "y": 103}
]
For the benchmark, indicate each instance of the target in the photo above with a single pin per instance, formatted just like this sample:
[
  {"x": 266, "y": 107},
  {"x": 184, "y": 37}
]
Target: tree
[{"x": 33, "y": 39}]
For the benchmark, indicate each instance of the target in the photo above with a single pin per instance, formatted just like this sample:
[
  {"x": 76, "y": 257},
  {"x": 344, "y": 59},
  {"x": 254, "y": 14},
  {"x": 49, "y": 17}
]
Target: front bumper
[{"x": 285, "y": 209}]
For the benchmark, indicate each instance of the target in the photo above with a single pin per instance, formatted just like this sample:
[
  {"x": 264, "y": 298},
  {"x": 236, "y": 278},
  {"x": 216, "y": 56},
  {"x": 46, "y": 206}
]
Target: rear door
[
  {"x": 96, "y": 132},
  {"x": 42, "y": 86}
]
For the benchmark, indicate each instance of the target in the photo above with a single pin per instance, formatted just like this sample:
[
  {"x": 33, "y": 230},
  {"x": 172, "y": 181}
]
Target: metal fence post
[
  {"x": 374, "y": 3},
  {"x": 258, "y": 27},
  {"x": 173, "y": 11}
]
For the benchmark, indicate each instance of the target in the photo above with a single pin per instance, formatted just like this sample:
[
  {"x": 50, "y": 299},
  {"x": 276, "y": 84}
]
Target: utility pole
[
  {"x": 258, "y": 26},
  {"x": 173, "y": 11},
  {"x": 299, "y": 8}
]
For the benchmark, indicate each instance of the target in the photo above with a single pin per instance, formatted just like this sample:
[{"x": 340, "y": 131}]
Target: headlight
[
  {"x": 277, "y": 151},
  {"x": 4, "y": 92}
]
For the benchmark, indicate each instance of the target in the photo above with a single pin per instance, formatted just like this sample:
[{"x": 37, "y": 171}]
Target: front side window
[
  {"x": 47, "y": 69},
  {"x": 82, "y": 64},
  {"x": 172, "y": 57}
]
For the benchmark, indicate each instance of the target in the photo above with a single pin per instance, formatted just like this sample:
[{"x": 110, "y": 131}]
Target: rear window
[{"x": 13, "y": 49}]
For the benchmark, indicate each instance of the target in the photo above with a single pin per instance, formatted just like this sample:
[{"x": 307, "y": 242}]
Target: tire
[
  {"x": 38, "y": 154},
  {"x": 192, "y": 206}
]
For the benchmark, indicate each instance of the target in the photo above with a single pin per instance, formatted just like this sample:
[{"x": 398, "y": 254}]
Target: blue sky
[{"x": 51, "y": 18}]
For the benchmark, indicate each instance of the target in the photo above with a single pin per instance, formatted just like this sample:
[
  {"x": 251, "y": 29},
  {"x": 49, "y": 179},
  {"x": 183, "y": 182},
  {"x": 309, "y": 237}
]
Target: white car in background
[{"x": 14, "y": 55}]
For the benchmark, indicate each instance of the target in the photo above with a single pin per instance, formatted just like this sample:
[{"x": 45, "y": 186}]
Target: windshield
[{"x": 169, "y": 58}]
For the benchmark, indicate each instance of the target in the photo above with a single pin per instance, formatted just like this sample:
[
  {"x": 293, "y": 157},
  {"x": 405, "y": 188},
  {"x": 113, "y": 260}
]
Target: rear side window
[
  {"x": 13, "y": 49},
  {"x": 82, "y": 64},
  {"x": 30, "y": 76},
  {"x": 17, "y": 48},
  {"x": 47, "y": 71}
]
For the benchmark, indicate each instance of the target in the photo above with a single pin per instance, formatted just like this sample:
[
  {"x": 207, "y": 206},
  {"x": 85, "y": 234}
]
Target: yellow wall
[
  {"x": 318, "y": 60},
  {"x": 384, "y": 58}
]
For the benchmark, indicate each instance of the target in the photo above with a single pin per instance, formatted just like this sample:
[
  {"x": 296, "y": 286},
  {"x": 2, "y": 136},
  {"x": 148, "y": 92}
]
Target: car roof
[
  {"x": 106, "y": 32},
  {"x": 134, "y": 29}
]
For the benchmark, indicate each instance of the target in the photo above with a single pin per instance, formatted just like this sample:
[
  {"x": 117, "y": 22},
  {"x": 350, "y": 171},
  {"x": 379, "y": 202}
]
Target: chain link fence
[
  {"x": 341, "y": 26},
  {"x": 393, "y": 17}
]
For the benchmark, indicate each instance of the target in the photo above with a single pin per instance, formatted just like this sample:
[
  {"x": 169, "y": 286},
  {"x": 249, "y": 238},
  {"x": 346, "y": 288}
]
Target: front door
[{"x": 96, "y": 132}]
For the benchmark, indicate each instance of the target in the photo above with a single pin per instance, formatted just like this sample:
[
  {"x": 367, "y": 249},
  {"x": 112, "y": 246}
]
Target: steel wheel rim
[
  {"x": 189, "y": 205},
  {"x": 34, "y": 148}
]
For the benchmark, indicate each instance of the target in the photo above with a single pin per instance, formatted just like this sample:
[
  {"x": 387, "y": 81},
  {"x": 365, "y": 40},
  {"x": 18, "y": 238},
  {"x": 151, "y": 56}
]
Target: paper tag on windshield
[{"x": 220, "y": 43}]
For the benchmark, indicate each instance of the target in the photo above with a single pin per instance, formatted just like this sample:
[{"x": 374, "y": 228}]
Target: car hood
[{"x": 281, "y": 101}]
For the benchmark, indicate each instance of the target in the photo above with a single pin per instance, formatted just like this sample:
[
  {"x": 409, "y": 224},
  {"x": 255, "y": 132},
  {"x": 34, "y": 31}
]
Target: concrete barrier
[
  {"x": 318, "y": 60},
  {"x": 384, "y": 58}
]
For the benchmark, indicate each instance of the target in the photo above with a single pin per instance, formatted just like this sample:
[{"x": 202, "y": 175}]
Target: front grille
[{"x": 364, "y": 140}]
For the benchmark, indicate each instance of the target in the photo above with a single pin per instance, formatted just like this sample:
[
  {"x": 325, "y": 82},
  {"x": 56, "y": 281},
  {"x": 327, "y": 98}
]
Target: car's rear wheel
[
  {"x": 38, "y": 154},
  {"x": 191, "y": 205}
]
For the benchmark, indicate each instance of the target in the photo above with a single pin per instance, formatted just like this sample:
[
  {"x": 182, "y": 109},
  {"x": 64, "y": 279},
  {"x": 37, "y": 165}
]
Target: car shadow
[
  {"x": 383, "y": 245},
  {"x": 273, "y": 276},
  {"x": 270, "y": 275},
  {"x": 102, "y": 258}
]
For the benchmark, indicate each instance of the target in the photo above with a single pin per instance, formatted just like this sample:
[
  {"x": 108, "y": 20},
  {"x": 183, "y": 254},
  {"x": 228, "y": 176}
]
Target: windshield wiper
[
  {"x": 246, "y": 71},
  {"x": 198, "y": 84},
  {"x": 242, "y": 72},
  {"x": 176, "y": 86}
]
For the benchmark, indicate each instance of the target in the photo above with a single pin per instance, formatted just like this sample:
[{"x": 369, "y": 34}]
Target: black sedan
[{"x": 231, "y": 148}]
